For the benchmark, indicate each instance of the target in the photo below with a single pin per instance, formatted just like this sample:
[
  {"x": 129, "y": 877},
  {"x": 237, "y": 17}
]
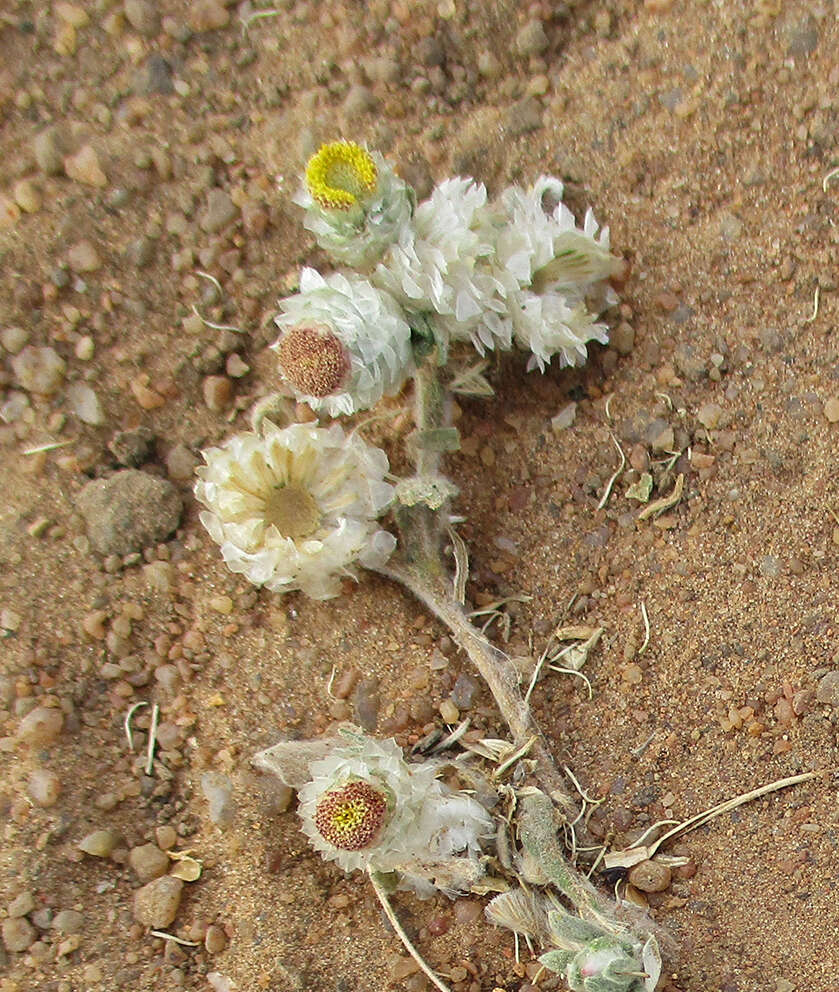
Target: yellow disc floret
[
  {"x": 350, "y": 817},
  {"x": 341, "y": 175}
]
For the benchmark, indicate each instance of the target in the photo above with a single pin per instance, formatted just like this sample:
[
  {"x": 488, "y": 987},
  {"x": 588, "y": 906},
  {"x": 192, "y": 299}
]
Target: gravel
[
  {"x": 99, "y": 843},
  {"x": 18, "y": 934},
  {"x": 148, "y": 862},
  {"x": 41, "y": 726},
  {"x": 39, "y": 370}
]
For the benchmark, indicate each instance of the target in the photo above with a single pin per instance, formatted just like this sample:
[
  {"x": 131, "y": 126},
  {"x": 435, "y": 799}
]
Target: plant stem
[
  {"x": 495, "y": 668},
  {"x": 393, "y": 919}
]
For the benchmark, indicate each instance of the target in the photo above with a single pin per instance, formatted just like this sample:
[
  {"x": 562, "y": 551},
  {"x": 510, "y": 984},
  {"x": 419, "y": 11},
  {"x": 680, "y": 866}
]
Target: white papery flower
[
  {"x": 356, "y": 205},
  {"x": 344, "y": 343},
  {"x": 441, "y": 264},
  {"x": 365, "y": 808},
  {"x": 552, "y": 323},
  {"x": 297, "y": 507},
  {"x": 542, "y": 247}
]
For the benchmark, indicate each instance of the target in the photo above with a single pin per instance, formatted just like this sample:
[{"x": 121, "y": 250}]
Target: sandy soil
[{"x": 702, "y": 133}]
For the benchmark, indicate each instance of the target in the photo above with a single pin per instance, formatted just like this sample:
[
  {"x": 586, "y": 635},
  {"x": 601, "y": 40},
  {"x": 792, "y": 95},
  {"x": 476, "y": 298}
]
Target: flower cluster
[{"x": 297, "y": 508}]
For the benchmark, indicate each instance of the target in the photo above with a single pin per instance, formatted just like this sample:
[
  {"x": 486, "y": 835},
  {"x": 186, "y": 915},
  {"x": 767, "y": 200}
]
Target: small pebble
[
  {"x": 218, "y": 791},
  {"x": 99, "y": 843},
  {"x": 18, "y": 934},
  {"x": 207, "y": 15},
  {"x": 39, "y": 370},
  {"x": 14, "y": 339},
  {"x": 215, "y": 940},
  {"x": 166, "y": 837},
  {"x": 132, "y": 448},
  {"x": 148, "y": 862},
  {"x": 650, "y": 876},
  {"x": 218, "y": 393},
  {"x": 44, "y": 788},
  {"x": 709, "y": 415},
  {"x": 143, "y": 17},
  {"x": 831, "y": 410},
  {"x": 41, "y": 726},
  {"x": 565, "y": 418},
  {"x": 49, "y": 150},
  {"x": 622, "y": 338},
  {"x": 85, "y": 404},
  {"x": 68, "y": 921},
  {"x": 21, "y": 905},
  {"x": 156, "y": 904},
  {"x": 828, "y": 689},
  {"x": 9, "y": 212},
  {"x": 449, "y": 712},
  {"x": 532, "y": 39},
  {"x": 220, "y": 211},
  {"x": 85, "y": 168},
  {"x": 27, "y": 196}
]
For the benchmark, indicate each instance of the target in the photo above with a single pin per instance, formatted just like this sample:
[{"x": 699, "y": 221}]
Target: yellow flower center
[
  {"x": 341, "y": 175},
  {"x": 351, "y": 816},
  {"x": 293, "y": 511},
  {"x": 312, "y": 359}
]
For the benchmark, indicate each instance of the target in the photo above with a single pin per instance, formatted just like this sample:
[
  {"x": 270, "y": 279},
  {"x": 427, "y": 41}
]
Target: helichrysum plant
[{"x": 302, "y": 507}]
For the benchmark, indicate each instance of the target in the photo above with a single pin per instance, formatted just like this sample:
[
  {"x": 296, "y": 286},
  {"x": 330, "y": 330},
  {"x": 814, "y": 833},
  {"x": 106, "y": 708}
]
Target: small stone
[
  {"x": 148, "y": 862},
  {"x": 770, "y": 566},
  {"x": 663, "y": 440},
  {"x": 21, "y": 905},
  {"x": 359, "y": 100},
  {"x": 828, "y": 689},
  {"x": 235, "y": 367},
  {"x": 44, "y": 788},
  {"x": 143, "y": 17},
  {"x": 565, "y": 418},
  {"x": 85, "y": 404},
  {"x": 18, "y": 934},
  {"x": 218, "y": 393},
  {"x": 622, "y": 338},
  {"x": 688, "y": 363},
  {"x": 463, "y": 691},
  {"x": 132, "y": 448},
  {"x": 650, "y": 876},
  {"x": 155, "y": 77},
  {"x": 366, "y": 703},
  {"x": 802, "y": 36},
  {"x": 41, "y": 726},
  {"x": 523, "y": 117},
  {"x": 146, "y": 397},
  {"x": 220, "y": 211},
  {"x": 208, "y": 15},
  {"x": 218, "y": 790},
  {"x": 449, "y": 712},
  {"x": 83, "y": 257},
  {"x": 77, "y": 16},
  {"x": 731, "y": 227},
  {"x": 49, "y": 149},
  {"x": 9, "y": 213},
  {"x": 532, "y": 39},
  {"x": 156, "y": 904},
  {"x": 27, "y": 196},
  {"x": 68, "y": 921},
  {"x": 709, "y": 416},
  {"x": 166, "y": 837},
  {"x": 215, "y": 940},
  {"x": 129, "y": 511},
  {"x": 99, "y": 843},
  {"x": 140, "y": 252},
  {"x": 181, "y": 463},
  {"x": 84, "y": 167},
  {"x": 9, "y": 620},
  {"x": 14, "y": 339},
  {"x": 831, "y": 410},
  {"x": 467, "y": 911}
]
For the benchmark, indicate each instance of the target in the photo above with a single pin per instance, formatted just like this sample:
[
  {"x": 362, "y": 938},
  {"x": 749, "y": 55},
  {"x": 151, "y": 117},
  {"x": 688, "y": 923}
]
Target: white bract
[
  {"x": 296, "y": 508},
  {"x": 344, "y": 343},
  {"x": 441, "y": 265}
]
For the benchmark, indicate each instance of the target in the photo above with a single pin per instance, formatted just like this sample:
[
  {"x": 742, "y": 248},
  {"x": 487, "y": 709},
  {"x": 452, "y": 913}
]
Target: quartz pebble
[
  {"x": 218, "y": 791},
  {"x": 831, "y": 410},
  {"x": 156, "y": 904},
  {"x": 21, "y": 905},
  {"x": 85, "y": 404},
  {"x": 83, "y": 257},
  {"x": 44, "y": 788}
]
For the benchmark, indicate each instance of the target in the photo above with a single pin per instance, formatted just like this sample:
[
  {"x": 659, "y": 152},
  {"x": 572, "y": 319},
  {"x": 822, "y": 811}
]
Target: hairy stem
[{"x": 495, "y": 668}]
